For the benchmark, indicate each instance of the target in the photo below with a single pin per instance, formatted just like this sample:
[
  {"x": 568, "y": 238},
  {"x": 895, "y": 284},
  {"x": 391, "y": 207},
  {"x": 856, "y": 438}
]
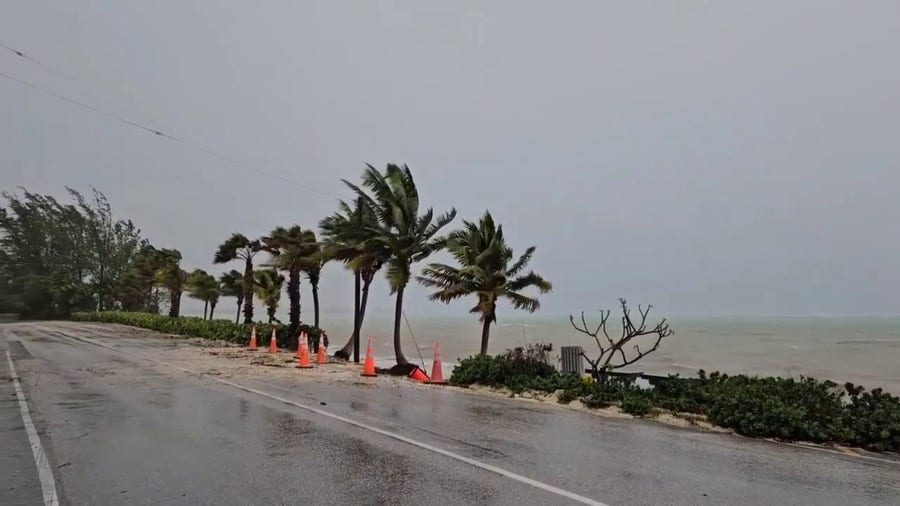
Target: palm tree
[
  {"x": 268, "y": 289},
  {"x": 409, "y": 236},
  {"x": 484, "y": 271},
  {"x": 239, "y": 247},
  {"x": 203, "y": 286},
  {"x": 346, "y": 235},
  {"x": 171, "y": 276},
  {"x": 312, "y": 267},
  {"x": 291, "y": 250},
  {"x": 231, "y": 284}
]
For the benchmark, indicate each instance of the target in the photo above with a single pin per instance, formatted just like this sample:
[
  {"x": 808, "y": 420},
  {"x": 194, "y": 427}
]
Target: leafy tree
[
  {"x": 268, "y": 289},
  {"x": 231, "y": 284},
  {"x": 238, "y": 247},
  {"x": 136, "y": 289},
  {"x": 401, "y": 229},
  {"x": 291, "y": 250},
  {"x": 484, "y": 271},
  {"x": 203, "y": 286},
  {"x": 59, "y": 258},
  {"x": 172, "y": 277},
  {"x": 110, "y": 245},
  {"x": 347, "y": 233}
]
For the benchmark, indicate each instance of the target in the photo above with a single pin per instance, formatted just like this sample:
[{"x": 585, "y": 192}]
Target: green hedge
[
  {"x": 802, "y": 409},
  {"x": 198, "y": 327}
]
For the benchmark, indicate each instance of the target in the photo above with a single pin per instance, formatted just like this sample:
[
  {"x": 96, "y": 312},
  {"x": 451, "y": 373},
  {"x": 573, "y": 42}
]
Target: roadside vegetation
[
  {"x": 191, "y": 326},
  {"x": 59, "y": 259},
  {"x": 803, "y": 409}
]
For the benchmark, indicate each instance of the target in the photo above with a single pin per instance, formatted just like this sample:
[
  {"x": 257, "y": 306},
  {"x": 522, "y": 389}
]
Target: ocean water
[{"x": 862, "y": 350}]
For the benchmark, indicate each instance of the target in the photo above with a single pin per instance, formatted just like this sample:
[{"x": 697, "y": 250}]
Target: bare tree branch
[{"x": 603, "y": 364}]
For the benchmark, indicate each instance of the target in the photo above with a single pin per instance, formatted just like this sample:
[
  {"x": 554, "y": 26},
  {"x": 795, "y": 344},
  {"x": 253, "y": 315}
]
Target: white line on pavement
[
  {"x": 45, "y": 475},
  {"x": 425, "y": 446}
]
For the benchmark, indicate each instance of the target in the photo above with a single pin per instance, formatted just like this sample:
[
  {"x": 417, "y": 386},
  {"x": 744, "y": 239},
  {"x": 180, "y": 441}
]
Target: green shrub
[
  {"x": 872, "y": 419},
  {"x": 198, "y": 327},
  {"x": 480, "y": 369},
  {"x": 567, "y": 396},
  {"x": 596, "y": 400},
  {"x": 637, "y": 405},
  {"x": 518, "y": 369},
  {"x": 803, "y": 409}
]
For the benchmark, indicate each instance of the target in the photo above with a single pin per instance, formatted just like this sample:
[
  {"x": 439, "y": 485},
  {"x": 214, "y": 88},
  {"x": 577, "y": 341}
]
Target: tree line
[{"x": 58, "y": 258}]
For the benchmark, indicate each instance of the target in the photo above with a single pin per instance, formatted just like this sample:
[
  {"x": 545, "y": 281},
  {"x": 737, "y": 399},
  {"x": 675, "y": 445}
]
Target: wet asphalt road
[{"x": 121, "y": 430}]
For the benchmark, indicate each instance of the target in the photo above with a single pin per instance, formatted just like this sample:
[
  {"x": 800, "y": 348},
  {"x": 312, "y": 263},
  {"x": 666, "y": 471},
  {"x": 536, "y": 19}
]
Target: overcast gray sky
[{"x": 709, "y": 157}]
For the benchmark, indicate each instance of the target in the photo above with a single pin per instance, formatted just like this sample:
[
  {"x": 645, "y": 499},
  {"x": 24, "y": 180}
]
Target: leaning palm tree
[
  {"x": 408, "y": 235},
  {"x": 238, "y": 247},
  {"x": 484, "y": 271},
  {"x": 268, "y": 288},
  {"x": 291, "y": 250},
  {"x": 231, "y": 284},
  {"x": 347, "y": 233},
  {"x": 203, "y": 286},
  {"x": 312, "y": 267},
  {"x": 171, "y": 276}
]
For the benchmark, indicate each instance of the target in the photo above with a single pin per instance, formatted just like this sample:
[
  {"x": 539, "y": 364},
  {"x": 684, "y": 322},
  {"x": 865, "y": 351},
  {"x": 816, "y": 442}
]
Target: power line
[
  {"x": 151, "y": 130},
  {"x": 85, "y": 106},
  {"x": 47, "y": 68}
]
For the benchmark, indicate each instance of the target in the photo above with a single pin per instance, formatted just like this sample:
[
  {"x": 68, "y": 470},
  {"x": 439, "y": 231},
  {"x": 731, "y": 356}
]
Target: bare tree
[{"x": 612, "y": 351}]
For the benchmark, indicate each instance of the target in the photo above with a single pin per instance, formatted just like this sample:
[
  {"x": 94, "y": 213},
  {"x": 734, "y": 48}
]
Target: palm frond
[
  {"x": 520, "y": 301},
  {"x": 521, "y": 263},
  {"x": 529, "y": 280}
]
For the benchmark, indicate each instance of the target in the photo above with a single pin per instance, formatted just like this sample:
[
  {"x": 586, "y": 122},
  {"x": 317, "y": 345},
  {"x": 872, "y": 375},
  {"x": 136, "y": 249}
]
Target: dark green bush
[
  {"x": 803, "y": 409},
  {"x": 198, "y": 327},
  {"x": 518, "y": 369},
  {"x": 637, "y": 405},
  {"x": 479, "y": 369},
  {"x": 567, "y": 396},
  {"x": 872, "y": 419}
]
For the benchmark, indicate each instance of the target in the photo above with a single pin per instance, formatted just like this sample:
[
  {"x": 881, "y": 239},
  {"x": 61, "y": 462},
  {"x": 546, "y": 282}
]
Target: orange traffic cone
[
  {"x": 304, "y": 355},
  {"x": 437, "y": 372},
  {"x": 417, "y": 374},
  {"x": 300, "y": 338},
  {"x": 369, "y": 366},
  {"x": 273, "y": 344},
  {"x": 252, "y": 339},
  {"x": 322, "y": 355}
]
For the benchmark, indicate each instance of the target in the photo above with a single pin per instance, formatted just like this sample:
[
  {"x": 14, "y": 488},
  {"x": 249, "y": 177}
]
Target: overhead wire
[{"x": 149, "y": 129}]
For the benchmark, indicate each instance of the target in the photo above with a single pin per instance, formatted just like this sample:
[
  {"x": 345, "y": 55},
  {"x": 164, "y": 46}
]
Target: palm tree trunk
[
  {"x": 362, "y": 311},
  {"x": 352, "y": 344},
  {"x": 237, "y": 319},
  {"x": 485, "y": 335},
  {"x": 271, "y": 312},
  {"x": 293, "y": 290},
  {"x": 398, "y": 314},
  {"x": 212, "y": 308},
  {"x": 315, "y": 290},
  {"x": 248, "y": 291},
  {"x": 205, "y": 307}
]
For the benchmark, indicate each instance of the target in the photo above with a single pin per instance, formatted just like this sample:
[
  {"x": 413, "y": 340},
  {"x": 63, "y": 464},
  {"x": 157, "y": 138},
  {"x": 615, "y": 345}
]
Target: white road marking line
[
  {"x": 45, "y": 474},
  {"x": 393, "y": 435}
]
